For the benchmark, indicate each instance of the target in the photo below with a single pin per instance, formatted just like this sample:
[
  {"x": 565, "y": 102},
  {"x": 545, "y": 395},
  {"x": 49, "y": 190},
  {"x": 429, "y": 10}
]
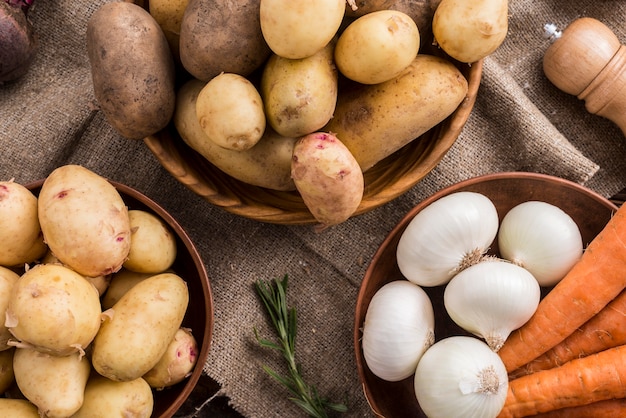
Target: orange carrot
[
  {"x": 596, "y": 279},
  {"x": 612, "y": 408},
  {"x": 605, "y": 330},
  {"x": 594, "y": 378}
]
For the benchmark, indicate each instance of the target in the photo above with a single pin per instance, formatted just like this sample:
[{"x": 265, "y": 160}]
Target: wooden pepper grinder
[{"x": 588, "y": 61}]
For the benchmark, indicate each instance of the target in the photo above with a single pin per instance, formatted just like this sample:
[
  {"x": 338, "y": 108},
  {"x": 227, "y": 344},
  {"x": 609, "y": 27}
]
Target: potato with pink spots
[
  {"x": 84, "y": 221},
  {"x": 177, "y": 363},
  {"x": 328, "y": 177}
]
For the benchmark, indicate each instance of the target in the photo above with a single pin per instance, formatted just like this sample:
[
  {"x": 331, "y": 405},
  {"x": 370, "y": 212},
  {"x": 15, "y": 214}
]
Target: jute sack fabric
[{"x": 520, "y": 123}]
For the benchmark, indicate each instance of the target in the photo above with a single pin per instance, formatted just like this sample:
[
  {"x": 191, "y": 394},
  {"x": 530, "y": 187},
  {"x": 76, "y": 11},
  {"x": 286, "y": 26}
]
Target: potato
[
  {"x": 84, "y": 221},
  {"x": 139, "y": 327},
  {"x": 121, "y": 282},
  {"x": 169, "y": 15},
  {"x": 298, "y": 29},
  {"x": 328, "y": 178},
  {"x": 300, "y": 95},
  {"x": 469, "y": 30},
  {"x": 55, "y": 384},
  {"x": 219, "y": 36},
  {"x": 230, "y": 111},
  {"x": 7, "y": 377},
  {"x": 20, "y": 233},
  {"x": 17, "y": 408},
  {"x": 53, "y": 309},
  {"x": 132, "y": 69},
  {"x": 377, "y": 47},
  {"x": 152, "y": 243},
  {"x": 8, "y": 278},
  {"x": 105, "y": 398},
  {"x": 421, "y": 11},
  {"x": 375, "y": 121},
  {"x": 362, "y": 7},
  {"x": 267, "y": 164},
  {"x": 177, "y": 363},
  {"x": 101, "y": 283}
]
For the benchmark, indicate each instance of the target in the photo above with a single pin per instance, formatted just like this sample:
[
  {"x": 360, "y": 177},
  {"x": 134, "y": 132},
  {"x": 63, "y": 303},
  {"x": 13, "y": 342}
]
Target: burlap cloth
[{"x": 520, "y": 122}]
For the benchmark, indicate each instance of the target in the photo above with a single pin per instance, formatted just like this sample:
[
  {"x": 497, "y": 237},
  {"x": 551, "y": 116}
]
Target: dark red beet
[{"x": 18, "y": 42}]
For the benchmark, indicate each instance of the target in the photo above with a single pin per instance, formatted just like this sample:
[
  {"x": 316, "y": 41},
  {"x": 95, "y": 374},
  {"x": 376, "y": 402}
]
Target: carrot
[
  {"x": 594, "y": 378},
  {"x": 605, "y": 330},
  {"x": 596, "y": 279},
  {"x": 612, "y": 408}
]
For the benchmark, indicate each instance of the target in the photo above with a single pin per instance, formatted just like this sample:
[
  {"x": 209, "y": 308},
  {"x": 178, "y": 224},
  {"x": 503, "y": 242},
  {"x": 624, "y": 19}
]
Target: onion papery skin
[
  {"x": 436, "y": 243},
  {"x": 491, "y": 299},
  {"x": 447, "y": 382},
  {"x": 398, "y": 328},
  {"x": 542, "y": 238}
]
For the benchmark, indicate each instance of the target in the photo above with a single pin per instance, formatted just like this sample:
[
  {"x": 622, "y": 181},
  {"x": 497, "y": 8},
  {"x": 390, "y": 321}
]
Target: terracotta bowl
[
  {"x": 384, "y": 182},
  {"x": 199, "y": 315},
  {"x": 589, "y": 210}
]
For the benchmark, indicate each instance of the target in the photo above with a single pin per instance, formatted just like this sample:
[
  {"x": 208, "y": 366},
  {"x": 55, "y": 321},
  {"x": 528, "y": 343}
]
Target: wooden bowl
[
  {"x": 384, "y": 182},
  {"x": 589, "y": 210},
  {"x": 199, "y": 315}
]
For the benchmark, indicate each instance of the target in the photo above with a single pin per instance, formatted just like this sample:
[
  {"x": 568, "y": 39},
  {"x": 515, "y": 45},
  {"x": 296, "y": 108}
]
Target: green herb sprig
[{"x": 284, "y": 319}]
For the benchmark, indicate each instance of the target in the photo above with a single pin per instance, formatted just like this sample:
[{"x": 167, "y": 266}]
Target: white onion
[
  {"x": 461, "y": 376},
  {"x": 541, "y": 238},
  {"x": 446, "y": 236},
  {"x": 492, "y": 298},
  {"x": 398, "y": 328}
]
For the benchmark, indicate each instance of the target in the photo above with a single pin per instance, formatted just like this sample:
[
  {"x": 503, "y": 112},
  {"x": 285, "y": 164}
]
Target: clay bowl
[
  {"x": 199, "y": 315},
  {"x": 384, "y": 182},
  {"x": 589, "y": 210}
]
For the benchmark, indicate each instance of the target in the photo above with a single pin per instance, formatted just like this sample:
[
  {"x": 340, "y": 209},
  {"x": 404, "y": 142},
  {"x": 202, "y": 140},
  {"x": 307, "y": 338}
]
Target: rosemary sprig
[{"x": 284, "y": 319}]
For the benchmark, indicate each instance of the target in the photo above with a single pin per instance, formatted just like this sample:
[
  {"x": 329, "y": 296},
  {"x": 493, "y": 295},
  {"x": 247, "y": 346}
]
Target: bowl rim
[
  {"x": 191, "y": 381},
  {"x": 361, "y": 309}
]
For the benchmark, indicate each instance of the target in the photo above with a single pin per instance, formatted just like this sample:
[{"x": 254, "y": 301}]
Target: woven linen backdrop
[{"x": 520, "y": 123}]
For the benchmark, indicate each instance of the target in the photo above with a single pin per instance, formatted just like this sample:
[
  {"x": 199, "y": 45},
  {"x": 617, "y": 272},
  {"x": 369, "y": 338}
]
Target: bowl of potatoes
[
  {"x": 250, "y": 81},
  {"x": 107, "y": 302}
]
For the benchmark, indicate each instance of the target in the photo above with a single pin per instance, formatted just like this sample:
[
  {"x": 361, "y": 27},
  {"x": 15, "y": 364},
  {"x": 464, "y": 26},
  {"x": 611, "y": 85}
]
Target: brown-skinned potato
[
  {"x": 222, "y": 36},
  {"x": 132, "y": 69}
]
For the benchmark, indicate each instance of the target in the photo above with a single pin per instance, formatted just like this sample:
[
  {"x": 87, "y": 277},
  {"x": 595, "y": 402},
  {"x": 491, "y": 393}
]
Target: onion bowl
[{"x": 589, "y": 210}]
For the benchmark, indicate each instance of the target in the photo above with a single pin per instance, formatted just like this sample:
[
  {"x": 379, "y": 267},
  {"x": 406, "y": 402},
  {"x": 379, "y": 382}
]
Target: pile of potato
[
  {"x": 92, "y": 310},
  {"x": 248, "y": 80}
]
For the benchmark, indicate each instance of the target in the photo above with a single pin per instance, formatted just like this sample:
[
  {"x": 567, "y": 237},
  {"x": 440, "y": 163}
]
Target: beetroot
[{"x": 18, "y": 42}]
